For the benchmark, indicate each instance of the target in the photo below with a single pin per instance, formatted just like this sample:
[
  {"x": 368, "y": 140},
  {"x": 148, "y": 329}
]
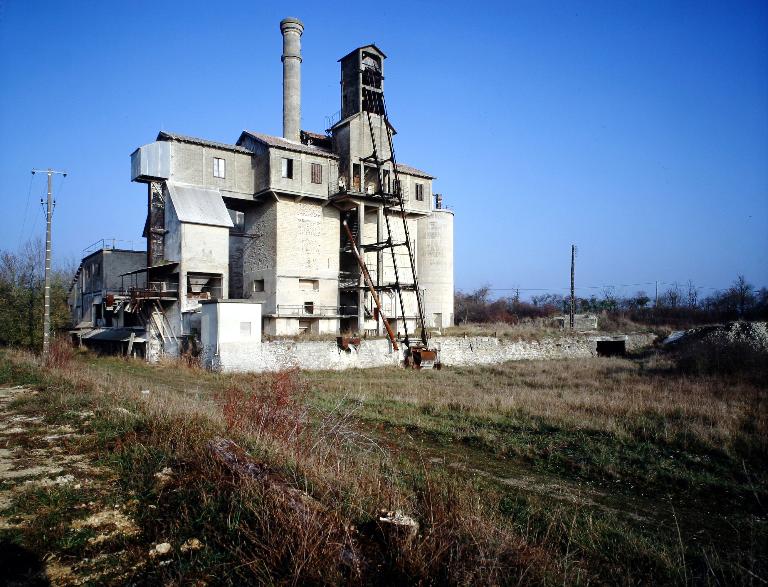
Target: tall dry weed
[
  {"x": 266, "y": 406},
  {"x": 60, "y": 353}
]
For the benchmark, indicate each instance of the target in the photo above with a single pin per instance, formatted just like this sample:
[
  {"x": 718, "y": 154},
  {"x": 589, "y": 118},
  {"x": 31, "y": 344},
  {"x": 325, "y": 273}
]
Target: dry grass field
[{"x": 535, "y": 472}]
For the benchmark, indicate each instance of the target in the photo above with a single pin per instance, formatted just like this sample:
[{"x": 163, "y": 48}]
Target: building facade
[{"x": 261, "y": 219}]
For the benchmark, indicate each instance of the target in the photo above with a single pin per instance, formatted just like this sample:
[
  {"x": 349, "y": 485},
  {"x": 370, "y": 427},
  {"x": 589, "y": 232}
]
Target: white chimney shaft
[{"x": 291, "y": 28}]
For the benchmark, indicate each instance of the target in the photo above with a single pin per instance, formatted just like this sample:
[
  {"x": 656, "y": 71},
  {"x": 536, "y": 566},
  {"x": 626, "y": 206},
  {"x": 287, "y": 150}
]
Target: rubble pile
[
  {"x": 736, "y": 346},
  {"x": 750, "y": 334}
]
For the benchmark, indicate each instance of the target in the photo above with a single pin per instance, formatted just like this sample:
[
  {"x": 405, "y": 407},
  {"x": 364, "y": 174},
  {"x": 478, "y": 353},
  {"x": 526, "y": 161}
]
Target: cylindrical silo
[{"x": 435, "y": 266}]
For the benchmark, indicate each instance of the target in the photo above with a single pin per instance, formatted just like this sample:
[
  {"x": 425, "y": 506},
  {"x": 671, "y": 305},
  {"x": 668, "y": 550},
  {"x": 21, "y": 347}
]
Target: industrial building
[{"x": 261, "y": 221}]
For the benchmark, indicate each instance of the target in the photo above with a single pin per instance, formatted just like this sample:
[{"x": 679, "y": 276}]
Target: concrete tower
[{"x": 292, "y": 28}]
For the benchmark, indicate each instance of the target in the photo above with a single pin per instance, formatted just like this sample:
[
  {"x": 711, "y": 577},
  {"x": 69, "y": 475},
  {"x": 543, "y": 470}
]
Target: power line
[{"x": 680, "y": 284}]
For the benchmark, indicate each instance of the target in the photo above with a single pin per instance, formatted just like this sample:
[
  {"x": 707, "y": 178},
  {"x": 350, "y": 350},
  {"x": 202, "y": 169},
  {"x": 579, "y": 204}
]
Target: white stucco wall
[{"x": 230, "y": 334}]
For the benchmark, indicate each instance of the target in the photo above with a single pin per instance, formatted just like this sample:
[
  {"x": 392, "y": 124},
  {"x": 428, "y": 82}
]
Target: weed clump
[{"x": 60, "y": 353}]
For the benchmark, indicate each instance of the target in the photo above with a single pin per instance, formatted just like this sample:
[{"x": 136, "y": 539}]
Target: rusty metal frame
[{"x": 369, "y": 283}]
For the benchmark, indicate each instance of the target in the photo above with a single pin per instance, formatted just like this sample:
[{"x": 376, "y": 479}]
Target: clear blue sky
[{"x": 638, "y": 130}]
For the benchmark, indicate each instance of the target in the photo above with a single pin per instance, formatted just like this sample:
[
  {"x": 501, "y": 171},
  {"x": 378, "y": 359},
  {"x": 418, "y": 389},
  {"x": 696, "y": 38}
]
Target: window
[
  {"x": 309, "y": 284},
  {"x": 245, "y": 329},
  {"x": 309, "y": 307},
  {"x": 258, "y": 285},
  {"x": 317, "y": 173},
  {"x": 219, "y": 167},
  {"x": 420, "y": 192},
  {"x": 238, "y": 220},
  {"x": 287, "y": 168}
]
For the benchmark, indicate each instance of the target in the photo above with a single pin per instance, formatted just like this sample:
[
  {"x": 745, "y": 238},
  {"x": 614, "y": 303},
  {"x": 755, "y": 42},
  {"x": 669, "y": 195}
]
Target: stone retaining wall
[{"x": 475, "y": 350}]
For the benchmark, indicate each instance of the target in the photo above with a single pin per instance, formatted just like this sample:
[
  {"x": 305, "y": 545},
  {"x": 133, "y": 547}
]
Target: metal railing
[
  {"x": 314, "y": 310},
  {"x": 332, "y": 119},
  {"x": 110, "y": 243},
  {"x": 154, "y": 289}
]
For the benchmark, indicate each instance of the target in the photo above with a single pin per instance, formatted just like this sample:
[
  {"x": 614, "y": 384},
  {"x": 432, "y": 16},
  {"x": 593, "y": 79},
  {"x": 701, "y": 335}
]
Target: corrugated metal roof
[
  {"x": 170, "y": 136},
  {"x": 413, "y": 171},
  {"x": 281, "y": 143},
  {"x": 199, "y": 205}
]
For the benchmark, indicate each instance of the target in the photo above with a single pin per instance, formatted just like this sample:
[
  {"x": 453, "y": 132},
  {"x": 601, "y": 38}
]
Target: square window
[
  {"x": 219, "y": 167},
  {"x": 309, "y": 284},
  {"x": 317, "y": 173},
  {"x": 287, "y": 168},
  {"x": 245, "y": 329},
  {"x": 258, "y": 285},
  {"x": 420, "y": 192}
]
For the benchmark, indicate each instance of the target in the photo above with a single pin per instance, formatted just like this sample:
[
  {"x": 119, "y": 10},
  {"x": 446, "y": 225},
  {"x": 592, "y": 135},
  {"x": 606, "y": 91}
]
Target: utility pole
[
  {"x": 573, "y": 288},
  {"x": 656, "y": 299},
  {"x": 48, "y": 221}
]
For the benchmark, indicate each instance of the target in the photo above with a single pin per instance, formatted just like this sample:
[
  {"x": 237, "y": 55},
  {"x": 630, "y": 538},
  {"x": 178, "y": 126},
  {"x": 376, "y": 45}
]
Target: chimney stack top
[{"x": 291, "y": 23}]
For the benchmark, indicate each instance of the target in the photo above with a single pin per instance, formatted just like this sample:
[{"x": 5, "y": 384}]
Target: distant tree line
[
  {"x": 22, "y": 293},
  {"x": 677, "y": 306}
]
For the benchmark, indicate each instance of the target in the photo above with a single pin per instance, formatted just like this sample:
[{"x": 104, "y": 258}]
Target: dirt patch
[{"x": 47, "y": 468}]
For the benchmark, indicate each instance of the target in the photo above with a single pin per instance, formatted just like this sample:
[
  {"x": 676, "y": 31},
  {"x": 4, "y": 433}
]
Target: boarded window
[
  {"x": 317, "y": 173},
  {"x": 258, "y": 285},
  {"x": 287, "y": 168},
  {"x": 309, "y": 284},
  {"x": 245, "y": 329},
  {"x": 219, "y": 167},
  {"x": 420, "y": 192}
]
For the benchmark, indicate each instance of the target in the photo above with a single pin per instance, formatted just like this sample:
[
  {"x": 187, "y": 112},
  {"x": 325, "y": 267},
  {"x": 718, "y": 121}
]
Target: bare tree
[
  {"x": 742, "y": 293},
  {"x": 693, "y": 295}
]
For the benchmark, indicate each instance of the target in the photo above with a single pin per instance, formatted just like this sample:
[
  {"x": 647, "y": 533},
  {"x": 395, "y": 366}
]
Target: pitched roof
[
  {"x": 288, "y": 145},
  {"x": 170, "y": 136},
  {"x": 369, "y": 46},
  {"x": 402, "y": 168},
  {"x": 315, "y": 136},
  {"x": 198, "y": 205}
]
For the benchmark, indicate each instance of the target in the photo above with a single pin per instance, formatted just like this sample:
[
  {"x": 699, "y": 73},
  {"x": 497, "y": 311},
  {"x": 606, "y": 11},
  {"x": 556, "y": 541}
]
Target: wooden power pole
[{"x": 48, "y": 250}]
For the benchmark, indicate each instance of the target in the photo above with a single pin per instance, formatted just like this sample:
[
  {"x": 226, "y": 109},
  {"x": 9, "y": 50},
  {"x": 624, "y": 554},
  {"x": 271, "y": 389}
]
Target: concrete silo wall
[{"x": 435, "y": 267}]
